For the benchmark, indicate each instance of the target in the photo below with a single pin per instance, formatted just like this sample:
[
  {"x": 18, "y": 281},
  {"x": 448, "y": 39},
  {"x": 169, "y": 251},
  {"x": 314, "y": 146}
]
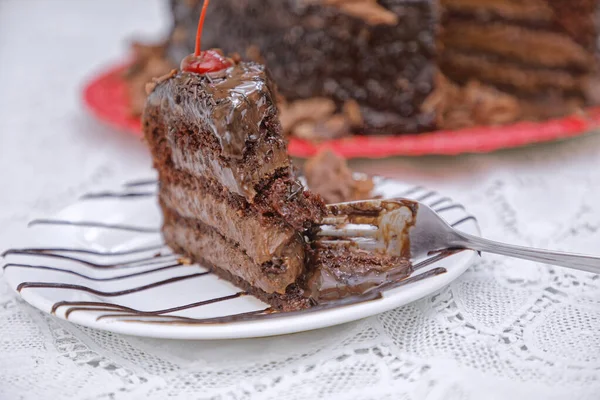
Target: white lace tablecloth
[{"x": 506, "y": 330}]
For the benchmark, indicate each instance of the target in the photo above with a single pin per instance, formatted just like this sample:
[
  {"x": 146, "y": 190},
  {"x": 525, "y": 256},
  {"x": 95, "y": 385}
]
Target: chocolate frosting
[
  {"x": 221, "y": 125},
  {"x": 231, "y": 104}
]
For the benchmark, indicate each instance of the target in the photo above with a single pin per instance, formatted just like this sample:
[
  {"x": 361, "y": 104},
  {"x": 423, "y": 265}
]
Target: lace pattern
[{"x": 507, "y": 329}]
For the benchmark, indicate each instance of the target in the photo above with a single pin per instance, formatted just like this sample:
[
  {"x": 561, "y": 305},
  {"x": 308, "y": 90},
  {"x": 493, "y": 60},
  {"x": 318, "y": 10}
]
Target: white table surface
[{"x": 506, "y": 330}]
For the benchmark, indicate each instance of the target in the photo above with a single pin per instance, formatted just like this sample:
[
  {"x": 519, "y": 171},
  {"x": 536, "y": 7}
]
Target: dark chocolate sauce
[
  {"x": 91, "y": 278},
  {"x": 410, "y": 191},
  {"x": 47, "y": 285},
  {"x": 438, "y": 257},
  {"x": 179, "y": 308},
  {"x": 107, "y": 195},
  {"x": 51, "y": 250},
  {"x": 463, "y": 220},
  {"x": 146, "y": 261},
  {"x": 91, "y": 224},
  {"x": 439, "y": 201},
  {"x": 452, "y": 207},
  {"x": 271, "y": 314},
  {"x": 143, "y": 182},
  {"x": 426, "y": 196}
]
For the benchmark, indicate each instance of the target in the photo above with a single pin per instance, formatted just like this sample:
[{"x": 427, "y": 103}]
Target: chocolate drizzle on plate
[
  {"x": 124, "y": 195},
  {"x": 50, "y": 285},
  {"x": 463, "y": 220},
  {"x": 91, "y": 278},
  {"x": 140, "y": 262},
  {"x": 53, "y": 250},
  {"x": 90, "y": 224},
  {"x": 159, "y": 258},
  {"x": 142, "y": 182}
]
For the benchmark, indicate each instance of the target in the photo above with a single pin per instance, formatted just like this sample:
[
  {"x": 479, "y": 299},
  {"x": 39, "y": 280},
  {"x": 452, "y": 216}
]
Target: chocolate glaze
[
  {"x": 231, "y": 104},
  {"x": 341, "y": 270},
  {"x": 222, "y": 127}
]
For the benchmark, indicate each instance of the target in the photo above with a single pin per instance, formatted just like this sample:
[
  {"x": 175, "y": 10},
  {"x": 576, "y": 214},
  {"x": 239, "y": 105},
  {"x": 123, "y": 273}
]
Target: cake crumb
[
  {"x": 369, "y": 11},
  {"x": 149, "y": 61},
  {"x": 329, "y": 175},
  {"x": 184, "y": 261},
  {"x": 473, "y": 104},
  {"x": 156, "y": 81},
  {"x": 352, "y": 112}
]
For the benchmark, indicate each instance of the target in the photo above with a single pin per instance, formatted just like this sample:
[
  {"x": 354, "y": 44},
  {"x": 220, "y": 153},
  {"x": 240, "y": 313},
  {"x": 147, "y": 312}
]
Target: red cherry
[
  {"x": 202, "y": 62},
  {"x": 207, "y": 61}
]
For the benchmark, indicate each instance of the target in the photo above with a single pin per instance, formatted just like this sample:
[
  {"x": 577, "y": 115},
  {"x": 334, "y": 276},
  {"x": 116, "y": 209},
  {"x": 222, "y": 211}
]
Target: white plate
[{"x": 115, "y": 237}]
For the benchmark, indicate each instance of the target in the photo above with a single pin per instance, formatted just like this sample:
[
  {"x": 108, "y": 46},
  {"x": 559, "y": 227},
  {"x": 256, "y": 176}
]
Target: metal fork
[{"x": 410, "y": 228}]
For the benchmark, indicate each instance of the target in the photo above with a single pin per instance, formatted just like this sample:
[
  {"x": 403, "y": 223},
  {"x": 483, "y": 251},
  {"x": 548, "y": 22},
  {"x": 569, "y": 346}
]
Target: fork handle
[{"x": 568, "y": 260}]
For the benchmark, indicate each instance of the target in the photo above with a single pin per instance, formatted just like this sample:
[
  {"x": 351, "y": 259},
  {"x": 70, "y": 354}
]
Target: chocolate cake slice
[
  {"x": 229, "y": 196},
  {"x": 226, "y": 185}
]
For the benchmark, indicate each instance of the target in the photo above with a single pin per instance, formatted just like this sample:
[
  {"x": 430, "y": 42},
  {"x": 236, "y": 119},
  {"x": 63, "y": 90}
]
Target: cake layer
[
  {"x": 535, "y": 47},
  {"x": 580, "y": 19},
  {"x": 536, "y": 12},
  {"x": 223, "y": 127},
  {"x": 280, "y": 199},
  {"x": 379, "y": 53},
  {"x": 203, "y": 243},
  {"x": 576, "y": 20},
  {"x": 262, "y": 238},
  {"x": 464, "y": 66}
]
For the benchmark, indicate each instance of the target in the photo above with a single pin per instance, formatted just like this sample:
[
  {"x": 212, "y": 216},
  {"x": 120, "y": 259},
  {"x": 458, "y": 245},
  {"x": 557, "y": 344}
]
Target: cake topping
[
  {"x": 473, "y": 104},
  {"x": 202, "y": 62},
  {"x": 369, "y": 10}
]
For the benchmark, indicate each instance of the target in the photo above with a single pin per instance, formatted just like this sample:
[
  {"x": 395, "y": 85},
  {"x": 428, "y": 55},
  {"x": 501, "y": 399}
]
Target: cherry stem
[{"x": 200, "y": 24}]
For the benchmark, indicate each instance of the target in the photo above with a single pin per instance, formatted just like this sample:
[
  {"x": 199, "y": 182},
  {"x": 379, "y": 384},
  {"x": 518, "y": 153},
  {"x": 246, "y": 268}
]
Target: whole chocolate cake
[{"x": 395, "y": 66}]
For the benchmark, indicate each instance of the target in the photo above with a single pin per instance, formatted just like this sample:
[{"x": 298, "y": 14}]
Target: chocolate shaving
[
  {"x": 314, "y": 109},
  {"x": 352, "y": 111},
  {"x": 370, "y": 11},
  {"x": 149, "y": 61},
  {"x": 474, "y": 104},
  {"x": 334, "y": 127},
  {"x": 155, "y": 81}
]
